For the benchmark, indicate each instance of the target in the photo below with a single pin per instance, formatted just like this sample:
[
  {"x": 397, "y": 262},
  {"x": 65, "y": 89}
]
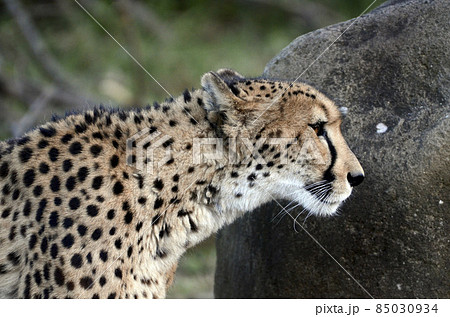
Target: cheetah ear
[
  {"x": 229, "y": 75},
  {"x": 226, "y": 104},
  {"x": 221, "y": 95}
]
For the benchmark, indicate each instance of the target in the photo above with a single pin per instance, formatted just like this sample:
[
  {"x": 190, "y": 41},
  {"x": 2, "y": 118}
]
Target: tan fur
[{"x": 99, "y": 227}]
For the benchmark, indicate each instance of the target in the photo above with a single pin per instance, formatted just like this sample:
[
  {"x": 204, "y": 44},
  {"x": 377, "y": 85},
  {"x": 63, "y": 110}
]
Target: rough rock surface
[{"x": 391, "y": 66}]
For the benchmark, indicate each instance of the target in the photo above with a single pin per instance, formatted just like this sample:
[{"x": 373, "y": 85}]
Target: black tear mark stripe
[{"x": 328, "y": 175}]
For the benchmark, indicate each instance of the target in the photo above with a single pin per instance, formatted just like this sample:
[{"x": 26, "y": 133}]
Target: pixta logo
[
  {"x": 149, "y": 150},
  {"x": 144, "y": 150}
]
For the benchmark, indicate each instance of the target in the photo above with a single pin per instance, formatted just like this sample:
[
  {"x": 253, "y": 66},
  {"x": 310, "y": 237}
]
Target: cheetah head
[{"x": 286, "y": 140}]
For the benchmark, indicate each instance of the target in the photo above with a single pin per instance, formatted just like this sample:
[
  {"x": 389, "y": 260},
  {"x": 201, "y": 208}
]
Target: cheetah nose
[{"x": 355, "y": 179}]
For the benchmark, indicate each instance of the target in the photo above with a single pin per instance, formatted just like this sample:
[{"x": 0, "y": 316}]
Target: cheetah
[{"x": 103, "y": 203}]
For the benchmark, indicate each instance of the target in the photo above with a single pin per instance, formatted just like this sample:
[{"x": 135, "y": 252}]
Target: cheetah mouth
[
  {"x": 321, "y": 199},
  {"x": 331, "y": 199},
  {"x": 325, "y": 208},
  {"x": 330, "y": 203},
  {"x": 324, "y": 193}
]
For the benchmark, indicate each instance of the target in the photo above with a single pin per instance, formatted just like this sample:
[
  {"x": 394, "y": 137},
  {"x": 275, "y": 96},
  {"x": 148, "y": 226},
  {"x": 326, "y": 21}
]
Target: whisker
[
  {"x": 281, "y": 218},
  {"x": 295, "y": 219},
  {"x": 319, "y": 187},
  {"x": 276, "y": 216},
  {"x": 286, "y": 212},
  {"x": 307, "y": 216},
  {"x": 292, "y": 201},
  {"x": 281, "y": 211},
  {"x": 321, "y": 192},
  {"x": 293, "y": 207},
  {"x": 323, "y": 195},
  {"x": 315, "y": 184}
]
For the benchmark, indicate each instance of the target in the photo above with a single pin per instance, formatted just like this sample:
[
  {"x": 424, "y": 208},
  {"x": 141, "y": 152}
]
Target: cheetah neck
[{"x": 193, "y": 200}]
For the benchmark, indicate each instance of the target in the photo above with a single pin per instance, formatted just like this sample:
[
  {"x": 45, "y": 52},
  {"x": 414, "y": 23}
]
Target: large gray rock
[{"x": 391, "y": 66}]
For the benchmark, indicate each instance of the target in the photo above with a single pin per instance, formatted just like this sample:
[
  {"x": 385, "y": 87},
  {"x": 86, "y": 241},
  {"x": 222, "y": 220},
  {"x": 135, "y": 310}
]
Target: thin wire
[
  {"x": 129, "y": 54},
  {"x": 320, "y": 55},
  {"x": 318, "y": 243},
  {"x": 121, "y": 46}
]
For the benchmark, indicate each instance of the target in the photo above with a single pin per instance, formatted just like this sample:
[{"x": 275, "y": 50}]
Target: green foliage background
[{"x": 175, "y": 41}]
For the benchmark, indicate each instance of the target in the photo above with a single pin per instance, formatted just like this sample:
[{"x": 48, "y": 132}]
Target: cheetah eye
[{"x": 318, "y": 128}]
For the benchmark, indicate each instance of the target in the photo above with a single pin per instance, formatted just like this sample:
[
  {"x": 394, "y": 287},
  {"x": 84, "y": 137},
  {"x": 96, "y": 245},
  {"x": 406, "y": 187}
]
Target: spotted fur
[{"x": 78, "y": 219}]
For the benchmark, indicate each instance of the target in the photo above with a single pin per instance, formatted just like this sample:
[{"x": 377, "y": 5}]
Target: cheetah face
[
  {"x": 301, "y": 154},
  {"x": 320, "y": 169}
]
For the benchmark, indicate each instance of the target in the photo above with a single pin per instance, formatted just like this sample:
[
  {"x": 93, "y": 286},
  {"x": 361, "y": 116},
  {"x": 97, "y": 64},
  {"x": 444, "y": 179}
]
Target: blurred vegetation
[{"x": 54, "y": 58}]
